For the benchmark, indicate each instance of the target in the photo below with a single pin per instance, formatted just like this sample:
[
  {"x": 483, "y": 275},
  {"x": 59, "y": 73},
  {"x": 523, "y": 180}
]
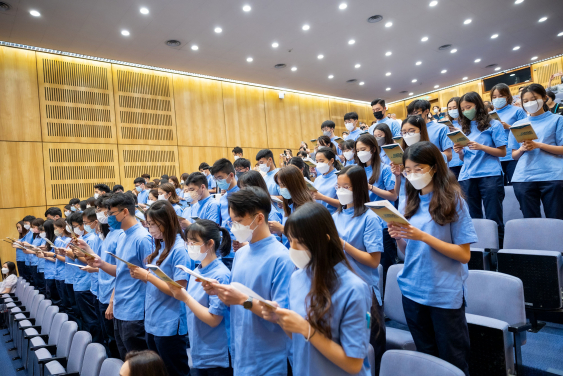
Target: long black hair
[
  {"x": 536, "y": 89},
  {"x": 208, "y": 230},
  {"x": 360, "y": 190},
  {"x": 49, "y": 227},
  {"x": 481, "y": 115},
  {"x": 163, "y": 215},
  {"x": 375, "y": 161},
  {"x": 329, "y": 154}
]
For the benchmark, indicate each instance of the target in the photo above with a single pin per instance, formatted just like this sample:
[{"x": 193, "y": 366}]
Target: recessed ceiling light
[
  {"x": 424, "y": 39},
  {"x": 330, "y": 77},
  {"x": 464, "y": 78},
  {"x": 388, "y": 89},
  {"x": 477, "y": 60},
  {"x": 195, "y": 47},
  {"x": 518, "y": 1},
  {"x": 125, "y": 33},
  {"x": 411, "y": 94},
  {"x": 343, "y": 6},
  {"x": 388, "y": 73},
  {"x": 497, "y": 68},
  {"x": 389, "y": 24},
  {"x": 534, "y": 58},
  {"x": 218, "y": 30},
  {"x": 516, "y": 48},
  {"x": 433, "y": 3},
  {"x": 361, "y": 83},
  {"x": 436, "y": 86},
  {"x": 494, "y": 36},
  {"x": 513, "y": 74},
  {"x": 418, "y": 62},
  {"x": 293, "y": 69},
  {"x": 467, "y": 21},
  {"x": 144, "y": 10},
  {"x": 443, "y": 71},
  {"x": 357, "y": 66},
  {"x": 320, "y": 56},
  {"x": 542, "y": 19},
  {"x": 249, "y": 59},
  {"x": 560, "y": 34},
  {"x": 34, "y": 13},
  {"x": 414, "y": 80},
  {"x": 388, "y": 53},
  {"x": 275, "y": 44},
  {"x": 246, "y": 8},
  {"x": 453, "y": 51},
  {"x": 351, "y": 41},
  {"x": 306, "y": 27}
]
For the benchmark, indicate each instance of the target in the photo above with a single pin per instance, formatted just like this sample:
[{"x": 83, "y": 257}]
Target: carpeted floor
[{"x": 7, "y": 365}]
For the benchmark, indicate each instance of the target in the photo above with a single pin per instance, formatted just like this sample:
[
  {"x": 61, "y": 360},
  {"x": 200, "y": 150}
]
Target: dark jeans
[
  {"x": 40, "y": 283},
  {"x": 228, "y": 262},
  {"x": 52, "y": 292},
  {"x": 377, "y": 336},
  {"x": 388, "y": 257},
  {"x": 129, "y": 336},
  {"x": 73, "y": 311},
  {"x": 107, "y": 331},
  {"x": 508, "y": 168},
  {"x": 88, "y": 306},
  {"x": 220, "y": 371},
  {"x": 456, "y": 170},
  {"x": 439, "y": 332},
  {"x": 530, "y": 194},
  {"x": 173, "y": 350},
  {"x": 486, "y": 192},
  {"x": 22, "y": 270}
]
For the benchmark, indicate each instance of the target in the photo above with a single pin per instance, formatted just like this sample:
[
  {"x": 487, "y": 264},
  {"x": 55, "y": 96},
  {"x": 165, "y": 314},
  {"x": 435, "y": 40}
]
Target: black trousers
[
  {"x": 456, "y": 170},
  {"x": 439, "y": 332},
  {"x": 40, "y": 283},
  {"x": 22, "y": 270},
  {"x": 107, "y": 331},
  {"x": 33, "y": 276},
  {"x": 377, "y": 336},
  {"x": 173, "y": 350},
  {"x": 73, "y": 310},
  {"x": 228, "y": 262},
  {"x": 52, "y": 291},
  {"x": 388, "y": 257},
  {"x": 508, "y": 168},
  {"x": 220, "y": 371},
  {"x": 129, "y": 336},
  {"x": 531, "y": 195},
  {"x": 88, "y": 306}
]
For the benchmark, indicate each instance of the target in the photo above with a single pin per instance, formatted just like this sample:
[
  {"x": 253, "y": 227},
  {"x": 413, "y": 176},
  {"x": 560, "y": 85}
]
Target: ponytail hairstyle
[
  {"x": 292, "y": 178},
  {"x": 37, "y": 222},
  {"x": 536, "y": 90},
  {"x": 418, "y": 122},
  {"x": 163, "y": 215},
  {"x": 298, "y": 162},
  {"x": 313, "y": 227},
  {"x": 325, "y": 141},
  {"x": 481, "y": 116},
  {"x": 61, "y": 223},
  {"x": 456, "y": 100},
  {"x": 329, "y": 154},
  {"x": 447, "y": 194},
  {"x": 169, "y": 188},
  {"x": 208, "y": 230},
  {"x": 49, "y": 228},
  {"x": 386, "y": 131},
  {"x": 360, "y": 190},
  {"x": 375, "y": 162}
]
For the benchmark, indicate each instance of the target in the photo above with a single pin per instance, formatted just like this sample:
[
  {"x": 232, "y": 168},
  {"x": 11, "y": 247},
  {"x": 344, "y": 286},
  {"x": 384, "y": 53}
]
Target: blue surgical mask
[
  {"x": 72, "y": 208},
  {"x": 188, "y": 197},
  {"x": 499, "y": 102},
  {"x": 223, "y": 184},
  {"x": 284, "y": 192},
  {"x": 138, "y": 188},
  {"x": 114, "y": 223},
  {"x": 88, "y": 229},
  {"x": 454, "y": 113}
]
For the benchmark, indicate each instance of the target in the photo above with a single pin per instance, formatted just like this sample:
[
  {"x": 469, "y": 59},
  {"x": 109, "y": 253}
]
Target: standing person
[
  {"x": 28, "y": 238},
  {"x": 379, "y": 113},
  {"x": 437, "y": 113},
  {"x": 508, "y": 114},
  {"x": 61, "y": 242},
  {"x": 237, "y": 152},
  {"x": 436, "y": 131},
  {"x": 383, "y": 135},
  {"x": 351, "y": 123},
  {"x": 49, "y": 267},
  {"x": 362, "y": 236},
  {"x": 142, "y": 191},
  {"x": 265, "y": 159},
  {"x": 36, "y": 241},
  {"x": 255, "y": 179},
  {"x": 167, "y": 192},
  {"x": 436, "y": 247},
  {"x": 203, "y": 206},
  {"x": 328, "y": 128},
  {"x": 539, "y": 172},
  {"x": 165, "y": 317},
  {"x": 264, "y": 267},
  {"x": 453, "y": 115},
  {"x": 380, "y": 179},
  {"x": 204, "y": 169},
  {"x": 348, "y": 152},
  {"x": 327, "y": 166},
  {"x": 20, "y": 255},
  {"x": 481, "y": 175},
  {"x": 326, "y": 320},
  {"x": 176, "y": 183},
  {"x": 242, "y": 166}
]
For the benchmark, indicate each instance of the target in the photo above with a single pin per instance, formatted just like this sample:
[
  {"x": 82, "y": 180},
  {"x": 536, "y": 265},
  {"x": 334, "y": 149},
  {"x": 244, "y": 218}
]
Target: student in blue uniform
[
  {"x": 35, "y": 262},
  {"x": 361, "y": 232},
  {"x": 99, "y": 190},
  {"x": 207, "y": 315},
  {"x": 380, "y": 179},
  {"x": 327, "y": 167},
  {"x": 61, "y": 242},
  {"x": 481, "y": 175},
  {"x": 259, "y": 347},
  {"x": 302, "y": 166},
  {"x": 539, "y": 172},
  {"x": 501, "y": 97},
  {"x": 242, "y": 166},
  {"x": 70, "y": 274},
  {"x": 453, "y": 114},
  {"x": 328, "y": 127},
  {"x": 265, "y": 159},
  {"x": 28, "y": 238},
  {"x": 324, "y": 343},
  {"x": 90, "y": 221},
  {"x": 204, "y": 168},
  {"x": 351, "y": 123},
  {"x": 205, "y": 206},
  {"x": 255, "y": 179},
  {"x": 348, "y": 153},
  {"x": 436, "y": 131},
  {"x": 166, "y": 325},
  {"x": 176, "y": 183},
  {"x": 224, "y": 174},
  {"x": 380, "y": 114},
  {"x": 167, "y": 192},
  {"x": 436, "y": 247},
  {"x": 20, "y": 255},
  {"x": 383, "y": 135},
  {"x": 49, "y": 263},
  {"x": 237, "y": 152}
]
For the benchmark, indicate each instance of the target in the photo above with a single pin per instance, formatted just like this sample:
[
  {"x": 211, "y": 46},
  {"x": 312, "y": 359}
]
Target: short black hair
[
  {"x": 119, "y": 186},
  {"x": 237, "y": 150},
  {"x": 83, "y": 205},
  {"x": 197, "y": 178},
  {"x": 351, "y": 116},
  {"x": 550, "y": 94},
  {"x": 378, "y": 101},
  {"x": 121, "y": 201},
  {"x": 222, "y": 165},
  {"x": 103, "y": 188},
  {"x": 53, "y": 212},
  {"x": 90, "y": 214},
  {"x": 328, "y": 123},
  {"x": 264, "y": 153},
  {"x": 250, "y": 200},
  {"x": 348, "y": 145},
  {"x": 28, "y": 218},
  {"x": 139, "y": 181},
  {"x": 91, "y": 201},
  {"x": 74, "y": 201},
  {"x": 242, "y": 163},
  {"x": 75, "y": 217},
  {"x": 421, "y": 104},
  {"x": 203, "y": 166},
  {"x": 146, "y": 176},
  {"x": 164, "y": 179}
]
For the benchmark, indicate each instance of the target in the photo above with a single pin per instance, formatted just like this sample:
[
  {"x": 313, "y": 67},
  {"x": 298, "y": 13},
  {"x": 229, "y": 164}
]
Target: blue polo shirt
[
  {"x": 273, "y": 187},
  {"x": 106, "y": 282},
  {"x": 456, "y": 161},
  {"x": 394, "y": 126},
  {"x": 82, "y": 279},
  {"x": 208, "y": 208},
  {"x": 438, "y": 135},
  {"x": 386, "y": 180},
  {"x": 143, "y": 196},
  {"x": 510, "y": 114},
  {"x": 28, "y": 238},
  {"x": 60, "y": 266},
  {"x": 325, "y": 184},
  {"x": 354, "y": 134},
  {"x": 225, "y": 215}
]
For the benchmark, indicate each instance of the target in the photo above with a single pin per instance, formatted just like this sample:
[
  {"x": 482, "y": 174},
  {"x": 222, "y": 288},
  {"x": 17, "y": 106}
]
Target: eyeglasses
[
  {"x": 417, "y": 170},
  {"x": 109, "y": 213},
  {"x": 337, "y": 187},
  {"x": 87, "y": 223}
]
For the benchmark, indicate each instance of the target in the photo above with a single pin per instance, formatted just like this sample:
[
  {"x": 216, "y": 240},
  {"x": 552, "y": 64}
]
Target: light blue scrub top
[
  {"x": 209, "y": 345},
  {"x": 60, "y": 266},
  {"x": 438, "y": 135},
  {"x": 49, "y": 266},
  {"x": 364, "y": 233},
  {"x": 36, "y": 261},
  {"x": 510, "y": 114},
  {"x": 386, "y": 180},
  {"x": 164, "y": 315},
  {"x": 260, "y": 347},
  {"x": 325, "y": 184},
  {"x": 211, "y": 182},
  {"x": 273, "y": 188},
  {"x": 428, "y": 277},
  {"x": 477, "y": 163},
  {"x": 106, "y": 282},
  {"x": 82, "y": 279},
  {"x": 225, "y": 216},
  {"x": 208, "y": 208},
  {"x": 28, "y": 238},
  {"x": 351, "y": 303},
  {"x": 70, "y": 271},
  {"x": 20, "y": 256},
  {"x": 96, "y": 244},
  {"x": 354, "y": 134},
  {"x": 143, "y": 196},
  {"x": 349, "y": 163},
  {"x": 394, "y": 126},
  {"x": 539, "y": 165},
  {"x": 455, "y": 157},
  {"x": 177, "y": 209},
  {"x": 129, "y": 297}
]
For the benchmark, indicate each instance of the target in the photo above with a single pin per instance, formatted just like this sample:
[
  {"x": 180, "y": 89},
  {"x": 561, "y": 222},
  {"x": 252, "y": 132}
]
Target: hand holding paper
[
  {"x": 402, "y": 231},
  {"x": 160, "y": 274},
  {"x": 246, "y": 291},
  {"x": 195, "y": 274},
  {"x": 386, "y": 211}
]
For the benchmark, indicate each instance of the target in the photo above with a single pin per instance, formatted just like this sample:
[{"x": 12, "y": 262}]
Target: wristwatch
[{"x": 248, "y": 303}]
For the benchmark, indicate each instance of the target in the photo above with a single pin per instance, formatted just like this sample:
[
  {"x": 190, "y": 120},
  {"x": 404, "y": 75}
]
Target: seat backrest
[
  {"x": 393, "y": 306},
  {"x": 408, "y": 363},
  {"x": 41, "y": 311},
  {"x": 80, "y": 342},
  {"x": 31, "y": 292},
  {"x": 380, "y": 283},
  {"x": 111, "y": 367},
  {"x": 58, "y": 321},
  {"x": 48, "y": 318},
  {"x": 542, "y": 234},
  {"x": 68, "y": 330},
  {"x": 487, "y": 233},
  {"x": 510, "y": 205},
  {"x": 35, "y": 305},
  {"x": 93, "y": 358}
]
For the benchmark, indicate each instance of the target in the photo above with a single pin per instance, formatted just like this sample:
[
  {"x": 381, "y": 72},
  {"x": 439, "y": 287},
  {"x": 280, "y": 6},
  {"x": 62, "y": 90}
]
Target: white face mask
[
  {"x": 299, "y": 258},
  {"x": 102, "y": 218},
  {"x": 322, "y": 168},
  {"x": 349, "y": 126},
  {"x": 533, "y": 106},
  {"x": 78, "y": 231},
  {"x": 453, "y": 113},
  {"x": 161, "y": 197},
  {"x": 57, "y": 233},
  {"x": 243, "y": 233},
  {"x": 42, "y": 235},
  {"x": 27, "y": 227},
  {"x": 420, "y": 181},
  {"x": 5, "y": 271},
  {"x": 150, "y": 202},
  {"x": 345, "y": 196},
  {"x": 411, "y": 140},
  {"x": 364, "y": 156},
  {"x": 236, "y": 157},
  {"x": 88, "y": 206},
  {"x": 349, "y": 155},
  {"x": 380, "y": 141},
  {"x": 96, "y": 195},
  {"x": 194, "y": 251},
  {"x": 264, "y": 167}
]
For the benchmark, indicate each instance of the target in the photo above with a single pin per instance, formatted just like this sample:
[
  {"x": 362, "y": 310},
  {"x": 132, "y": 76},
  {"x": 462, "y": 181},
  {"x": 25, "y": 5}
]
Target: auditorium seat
[
  {"x": 80, "y": 362},
  {"x": 511, "y": 206},
  {"x": 487, "y": 233},
  {"x": 17, "y": 307},
  {"x": 44, "y": 324},
  {"x": 32, "y": 322},
  {"x": 43, "y": 353},
  {"x": 72, "y": 363},
  {"x": 408, "y": 363},
  {"x": 51, "y": 338},
  {"x": 111, "y": 367},
  {"x": 544, "y": 234},
  {"x": 393, "y": 307},
  {"x": 25, "y": 315}
]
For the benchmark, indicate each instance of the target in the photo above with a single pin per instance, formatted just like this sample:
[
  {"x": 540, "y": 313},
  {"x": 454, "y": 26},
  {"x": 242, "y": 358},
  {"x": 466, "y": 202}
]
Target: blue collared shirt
[
  {"x": 82, "y": 279},
  {"x": 96, "y": 244},
  {"x": 36, "y": 261},
  {"x": 386, "y": 180},
  {"x": 106, "y": 282},
  {"x": 354, "y": 134},
  {"x": 49, "y": 267},
  {"x": 438, "y": 135},
  {"x": 394, "y": 126},
  {"x": 510, "y": 114},
  {"x": 273, "y": 187},
  {"x": 455, "y": 161},
  {"x": 29, "y": 239},
  {"x": 208, "y": 208},
  {"x": 60, "y": 266},
  {"x": 143, "y": 196},
  {"x": 225, "y": 215},
  {"x": 211, "y": 182},
  {"x": 325, "y": 184}
]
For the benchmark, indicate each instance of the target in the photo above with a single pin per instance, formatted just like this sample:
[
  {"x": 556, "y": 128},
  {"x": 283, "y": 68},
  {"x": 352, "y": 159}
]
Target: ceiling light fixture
[
  {"x": 357, "y": 66},
  {"x": 351, "y": 41},
  {"x": 467, "y": 21},
  {"x": 343, "y": 6},
  {"x": 361, "y": 83},
  {"x": 453, "y": 51},
  {"x": 330, "y": 77},
  {"x": 246, "y": 8},
  {"x": 389, "y": 24},
  {"x": 424, "y": 39},
  {"x": 436, "y": 86},
  {"x": 411, "y": 94},
  {"x": 293, "y": 69},
  {"x": 542, "y": 19},
  {"x": 320, "y": 57},
  {"x": 249, "y": 59},
  {"x": 414, "y": 80},
  {"x": 518, "y": 1},
  {"x": 418, "y": 62},
  {"x": 464, "y": 78},
  {"x": 516, "y": 48},
  {"x": 218, "y": 30},
  {"x": 388, "y": 73},
  {"x": 34, "y": 13},
  {"x": 306, "y": 27},
  {"x": 494, "y": 36},
  {"x": 125, "y": 33},
  {"x": 560, "y": 34},
  {"x": 144, "y": 10},
  {"x": 195, "y": 47},
  {"x": 388, "y": 53},
  {"x": 477, "y": 60},
  {"x": 534, "y": 58},
  {"x": 497, "y": 68},
  {"x": 433, "y": 3},
  {"x": 443, "y": 71},
  {"x": 388, "y": 89},
  {"x": 275, "y": 44}
]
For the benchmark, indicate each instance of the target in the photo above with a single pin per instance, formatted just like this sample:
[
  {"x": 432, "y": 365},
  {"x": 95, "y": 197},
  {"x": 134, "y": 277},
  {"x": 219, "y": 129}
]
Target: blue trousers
[
  {"x": 530, "y": 194},
  {"x": 173, "y": 350}
]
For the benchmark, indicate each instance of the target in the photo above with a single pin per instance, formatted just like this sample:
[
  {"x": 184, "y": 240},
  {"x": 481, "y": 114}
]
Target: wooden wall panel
[
  {"x": 338, "y": 109},
  {"x": 191, "y": 157},
  {"x": 446, "y": 94},
  {"x": 399, "y": 109},
  {"x": 72, "y": 170},
  {"x": 22, "y": 174},
  {"x": 76, "y": 100},
  {"x": 200, "y": 116},
  {"x": 135, "y": 160},
  {"x": 361, "y": 110},
  {"x": 245, "y": 117},
  {"x": 8, "y": 220},
  {"x": 19, "y": 104},
  {"x": 144, "y": 106},
  {"x": 313, "y": 111},
  {"x": 542, "y": 71},
  {"x": 283, "y": 122}
]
